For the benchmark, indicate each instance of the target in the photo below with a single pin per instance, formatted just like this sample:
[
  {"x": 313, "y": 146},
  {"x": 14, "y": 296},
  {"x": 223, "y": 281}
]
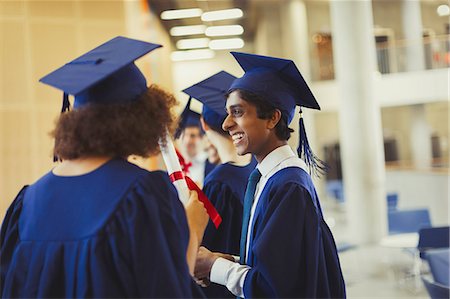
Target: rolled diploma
[{"x": 173, "y": 167}]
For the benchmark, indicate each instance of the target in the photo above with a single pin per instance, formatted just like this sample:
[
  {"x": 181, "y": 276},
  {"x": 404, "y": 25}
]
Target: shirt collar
[{"x": 274, "y": 158}]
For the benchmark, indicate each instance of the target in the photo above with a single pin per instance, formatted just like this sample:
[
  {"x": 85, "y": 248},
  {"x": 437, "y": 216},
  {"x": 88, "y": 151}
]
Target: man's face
[
  {"x": 190, "y": 140},
  {"x": 250, "y": 134}
]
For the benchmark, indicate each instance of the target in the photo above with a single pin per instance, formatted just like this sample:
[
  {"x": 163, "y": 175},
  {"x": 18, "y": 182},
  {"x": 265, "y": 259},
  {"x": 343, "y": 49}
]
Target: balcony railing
[{"x": 392, "y": 56}]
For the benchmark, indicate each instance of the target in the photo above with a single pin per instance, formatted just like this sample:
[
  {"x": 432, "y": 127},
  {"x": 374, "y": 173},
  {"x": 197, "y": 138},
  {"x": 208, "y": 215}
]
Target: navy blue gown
[
  {"x": 209, "y": 167},
  {"x": 292, "y": 251},
  {"x": 225, "y": 188},
  {"x": 118, "y": 231}
]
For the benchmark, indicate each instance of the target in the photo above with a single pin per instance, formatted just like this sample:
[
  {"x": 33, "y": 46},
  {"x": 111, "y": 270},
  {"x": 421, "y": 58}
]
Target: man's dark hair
[{"x": 264, "y": 110}]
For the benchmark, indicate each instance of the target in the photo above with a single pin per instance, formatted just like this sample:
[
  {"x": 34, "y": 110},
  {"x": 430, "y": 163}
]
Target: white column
[
  {"x": 361, "y": 136},
  {"x": 295, "y": 46},
  {"x": 268, "y": 39},
  {"x": 413, "y": 30},
  {"x": 420, "y": 138}
]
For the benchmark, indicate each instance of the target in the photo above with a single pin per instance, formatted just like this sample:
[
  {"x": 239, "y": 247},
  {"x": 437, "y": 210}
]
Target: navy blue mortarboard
[
  {"x": 212, "y": 93},
  {"x": 279, "y": 82},
  {"x": 188, "y": 118},
  {"x": 106, "y": 74}
]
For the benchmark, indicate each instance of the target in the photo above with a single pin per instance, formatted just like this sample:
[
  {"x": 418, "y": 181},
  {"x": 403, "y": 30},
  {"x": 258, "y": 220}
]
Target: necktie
[{"x": 248, "y": 202}]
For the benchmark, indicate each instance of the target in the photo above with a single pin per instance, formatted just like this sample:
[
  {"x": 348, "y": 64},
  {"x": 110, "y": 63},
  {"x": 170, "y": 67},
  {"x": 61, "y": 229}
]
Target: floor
[{"x": 373, "y": 271}]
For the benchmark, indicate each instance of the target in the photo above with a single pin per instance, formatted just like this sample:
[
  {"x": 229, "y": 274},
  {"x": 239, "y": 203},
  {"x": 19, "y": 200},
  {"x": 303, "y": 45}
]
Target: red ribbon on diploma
[
  {"x": 184, "y": 166},
  {"x": 210, "y": 209}
]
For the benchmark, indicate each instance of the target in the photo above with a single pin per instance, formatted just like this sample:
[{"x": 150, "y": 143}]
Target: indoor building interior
[{"x": 379, "y": 70}]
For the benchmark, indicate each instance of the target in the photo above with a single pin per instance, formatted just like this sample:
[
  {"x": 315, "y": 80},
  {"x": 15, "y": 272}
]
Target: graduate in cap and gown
[
  {"x": 190, "y": 135},
  {"x": 97, "y": 225},
  {"x": 225, "y": 185},
  {"x": 286, "y": 249}
]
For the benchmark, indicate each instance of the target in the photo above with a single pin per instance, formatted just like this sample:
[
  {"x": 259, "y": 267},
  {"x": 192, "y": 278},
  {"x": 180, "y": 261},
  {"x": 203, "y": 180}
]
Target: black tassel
[
  {"x": 66, "y": 103},
  {"x": 65, "y": 107},
  {"x": 316, "y": 166},
  {"x": 183, "y": 119}
]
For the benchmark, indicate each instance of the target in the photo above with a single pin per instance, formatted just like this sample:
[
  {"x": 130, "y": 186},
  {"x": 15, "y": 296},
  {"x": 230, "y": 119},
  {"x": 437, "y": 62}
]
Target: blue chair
[
  {"x": 392, "y": 201},
  {"x": 432, "y": 238},
  {"x": 438, "y": 260},
  {"x": 335, "y": 189},
  {"x": 344, "y": 246},
  {"x": 434, "y": 289},
  {"x": 408, "y": 221}
]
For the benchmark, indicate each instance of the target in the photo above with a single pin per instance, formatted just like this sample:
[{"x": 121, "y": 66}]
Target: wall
[
  {"x": 430, "y": 19},
  {"x": 40, "y": 36}
]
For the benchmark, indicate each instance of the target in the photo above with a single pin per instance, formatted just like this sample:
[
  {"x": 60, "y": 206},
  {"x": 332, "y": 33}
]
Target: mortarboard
[
  {"x": 106, "y": 74},
  {"x": 279, "y": 82},
  {"x": 188, "y": 118},
  {"x": 212, "y": 93}
]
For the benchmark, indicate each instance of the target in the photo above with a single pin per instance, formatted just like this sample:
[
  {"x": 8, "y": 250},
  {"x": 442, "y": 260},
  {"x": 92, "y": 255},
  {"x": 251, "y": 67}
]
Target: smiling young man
[{"x": 287, "y": 249}]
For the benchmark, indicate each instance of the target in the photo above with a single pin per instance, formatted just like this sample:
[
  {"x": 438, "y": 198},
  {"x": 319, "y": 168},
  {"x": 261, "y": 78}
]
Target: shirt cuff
[
  {"x": 230, "y": 274},
  {"x": 219, "y": 271}
]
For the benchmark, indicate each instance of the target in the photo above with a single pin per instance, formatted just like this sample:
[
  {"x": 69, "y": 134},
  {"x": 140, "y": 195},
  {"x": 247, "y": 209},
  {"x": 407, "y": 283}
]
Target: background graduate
[
  {"x": 191, "y": 143},
  {"x": 287, "y": 249},
  {"x": 97, "y": 225},
  {"x": 225, "y": 185}
]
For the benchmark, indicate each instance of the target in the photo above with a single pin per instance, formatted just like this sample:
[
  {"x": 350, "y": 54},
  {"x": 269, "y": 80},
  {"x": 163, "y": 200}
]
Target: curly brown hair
[{"x": 117, "y": 130}]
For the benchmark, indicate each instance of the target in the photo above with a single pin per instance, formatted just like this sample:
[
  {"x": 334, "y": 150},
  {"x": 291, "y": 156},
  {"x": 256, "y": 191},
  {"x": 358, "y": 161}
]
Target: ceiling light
[
  {"x": 229, "y": 43},
  {"x": 224, "y": 30},
  {"x": 192, "y": 55},
  {"x": 225, "y": 14},
  {"x": 181, "y": 13},
  {"x": 193, "y": 43},
  {"x": 187, "y": 30},
  {"x": 442, "y": 10}
]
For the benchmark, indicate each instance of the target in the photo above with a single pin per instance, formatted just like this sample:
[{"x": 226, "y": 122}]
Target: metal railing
[{"x": 392, "y": 56}]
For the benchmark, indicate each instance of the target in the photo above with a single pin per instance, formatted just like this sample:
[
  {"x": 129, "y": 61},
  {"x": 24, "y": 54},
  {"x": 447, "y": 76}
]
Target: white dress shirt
[
  {"x": 197, "y": 170},
  {"x": 230, "y": 274}
]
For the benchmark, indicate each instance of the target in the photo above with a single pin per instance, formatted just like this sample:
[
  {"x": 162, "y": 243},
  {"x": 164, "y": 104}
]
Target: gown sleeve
[
  {"x": 158, "y": 236},
  {"x": 9, "y": 235},
  {"x": 288, "y": 254}
]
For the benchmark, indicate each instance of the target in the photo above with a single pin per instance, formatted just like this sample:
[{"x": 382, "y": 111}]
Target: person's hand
[
  {"x": 203, "y": 264},
  {"x": 197, "y": 216}
]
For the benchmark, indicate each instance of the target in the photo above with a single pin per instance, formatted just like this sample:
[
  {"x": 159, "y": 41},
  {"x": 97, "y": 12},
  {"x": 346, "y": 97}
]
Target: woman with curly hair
[{"x": 97, "y": 225}]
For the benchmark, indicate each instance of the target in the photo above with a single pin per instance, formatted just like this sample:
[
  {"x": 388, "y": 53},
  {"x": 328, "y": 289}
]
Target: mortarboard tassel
[
  {"x": 315, "y": 164},
  {"x": 66, "y": 103},
  {"x": 65, "y": 107},
  {"x": 183, "y": 119}
]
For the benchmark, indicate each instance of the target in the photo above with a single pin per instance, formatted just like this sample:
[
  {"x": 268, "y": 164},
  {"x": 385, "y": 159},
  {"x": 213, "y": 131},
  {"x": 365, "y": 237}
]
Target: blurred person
[
  {"x": 213, "y": 155},
  {"x": 97, "y": 225},
  {"x": 190, "y": 135},
  {"x": 225, "y": 185},
  {"x": 286, "y": 249}
]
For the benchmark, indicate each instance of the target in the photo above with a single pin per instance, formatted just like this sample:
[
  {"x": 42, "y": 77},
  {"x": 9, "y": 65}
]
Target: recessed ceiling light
[
  {"x": 229, "y": 43},
  {"x": 193, "y": 43},
  {"x": 224, "y": 30},
  {"x": 192, "y": 55},
  {"x": 442, "y": 10},
  {"x": 187, "y": 30},
  {"x": 225, "y": 14},
  {"x": 181, "y": 13}
]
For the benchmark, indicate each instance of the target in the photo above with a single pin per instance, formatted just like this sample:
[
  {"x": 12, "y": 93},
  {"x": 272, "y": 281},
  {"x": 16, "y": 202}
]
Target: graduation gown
[
  {"x": 118, "y": 231},
  {"x": 292, "y": 251},
  {"x": 225, "y": 188}
]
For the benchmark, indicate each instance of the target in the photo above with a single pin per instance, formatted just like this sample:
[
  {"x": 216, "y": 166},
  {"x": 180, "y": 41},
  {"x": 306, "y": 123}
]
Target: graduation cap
[
  {"x": 279, "y": 82},
  {"x": 104, "y": 75},
  {"x": 212, "y": 93},
  {"x": 188, "y": 118}
]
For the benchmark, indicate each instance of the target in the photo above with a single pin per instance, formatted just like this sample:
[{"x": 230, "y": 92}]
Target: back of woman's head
[{"x": 117, "y": 130}]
